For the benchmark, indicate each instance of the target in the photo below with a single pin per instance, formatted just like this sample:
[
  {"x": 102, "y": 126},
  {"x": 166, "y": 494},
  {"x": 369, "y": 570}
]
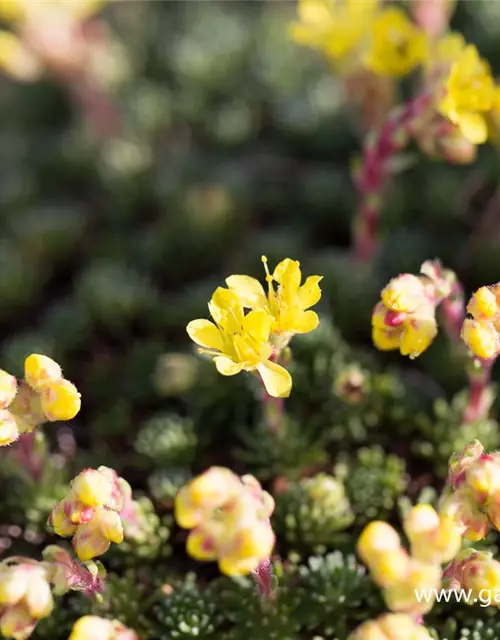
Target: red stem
[{"x": 375, "y": 172}]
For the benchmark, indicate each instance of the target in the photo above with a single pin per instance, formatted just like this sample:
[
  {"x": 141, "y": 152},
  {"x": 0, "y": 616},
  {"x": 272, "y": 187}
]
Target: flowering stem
[
  {"x": 274, "y": 408},
  {"x": 263, "y": 577},
  {"x": 478, "y": 370},
  {"x": 372, "y": 176},
  {"x": 479, "y": 399}
]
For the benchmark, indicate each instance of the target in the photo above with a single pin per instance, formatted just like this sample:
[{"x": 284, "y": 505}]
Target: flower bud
[
  {"x": 40, "y": 370},
  {"x": 9, "y": 431},
  {"x": 92, "y": 488},
  {"x": 462, "y": 508},
  {"x": 16, "y": 622},
  {"x": 94, "y": 538},
  {"x": 481, "y": 338},
  {"x": 389, "y": 567},
  {"x": 400, "y": 596},
  {"x": 375, "y": 538},
  {"x": 60, "y": 400},
  {"x": 207, "y": 491},
  {"x": 92, "y": 628},
  {"x": 483, "y": 304},
  {"x": 8, "y": 389},
  {"x": 483, "y": 477},
  {"x": 481, "y": 573},
  {"x": 460, "y": 462},
  {"x": 391, "y": 626},
  {"x": 403, "y": 294}
]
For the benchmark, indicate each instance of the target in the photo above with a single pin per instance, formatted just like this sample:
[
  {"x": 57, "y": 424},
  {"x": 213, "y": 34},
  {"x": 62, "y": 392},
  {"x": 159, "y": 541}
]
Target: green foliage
[
  {"x": 232, "y": 142},
  {"x": 310, "y": 513},
  {"x": 185, "y": 611},
  {"x": 373, "y": 481}
]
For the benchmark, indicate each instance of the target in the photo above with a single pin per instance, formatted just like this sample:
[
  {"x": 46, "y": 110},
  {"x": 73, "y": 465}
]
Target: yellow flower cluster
[
  {"x": 480, "y": 332},
  {"x": 96, "y": 628},
  {"x": 469, "y": 92},
  {"x": 478, "y": 573},
  {"x": 253, "y": 341},
  {"x": 25, "y": 598},
  {"x": 31, "y": 45},
  {"x": 361, "y": 33},
  {"x": 44, "y": 395},
  {"x": 474, "y": 501},
  {"x": 391, "y": 626},
  {"x": 405, "y": 317},
  {"x": 91, "y": 512},
  {"x": 434, "y": 540},
  {"x": 229, "y": 520}
]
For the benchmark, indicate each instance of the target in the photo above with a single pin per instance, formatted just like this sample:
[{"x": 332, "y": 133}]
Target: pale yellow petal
[
  {"x": 226, "y": 366},
  {"x": 288, "y": 273},
  {"x": 16, "y": 59},
  {"x": 473, "y": 127},
  {"x": 226, "y": 309},
  {"x": 306, "y": 322},
  {"x": 206, "y": 334},
  {"x": 258, "y": 325},
  {"x": 249, "y": 290},
  {"x": 276, "y": 379},
  {"x": 310, "y": 292}
]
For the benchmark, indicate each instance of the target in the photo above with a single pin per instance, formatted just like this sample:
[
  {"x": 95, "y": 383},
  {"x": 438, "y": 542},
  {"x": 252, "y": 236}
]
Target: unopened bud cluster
[
  {"x": 391, "y": 626},
  {"x": 405, "y": 317},
  {"x": 434, "y": 540},
  {"x": 94, "y": 627},
  {"x": 90, "y": 513},
  {"x": 229, "y": 520},
  {"x": 27, "y": 587},
  {"x": 480, "y": 331},
  {"x": 44, "y": 395},
  {"x": 25, "y": 597},
  {"x": 474, "y": 501}
]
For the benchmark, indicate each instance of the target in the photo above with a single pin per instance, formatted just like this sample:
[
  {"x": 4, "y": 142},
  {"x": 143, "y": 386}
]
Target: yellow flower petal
[
  {"x": 200, "y": 547},
  {"x": 206, "y": 334},
  {"x": 226, "y": 366},
  {"x": 306, "y": 322},
  {"x": 386, "y": 339},
  {"x": 309, "y": 292},
  {"x": 249, "y": 291},
  {"x": 226, "y": 309},
  {"x": 473, "y": 127},
  {"x": 288, "y": 274},
  {"x": 276, "y": 379},
  {"x": 258, "y": 325}
]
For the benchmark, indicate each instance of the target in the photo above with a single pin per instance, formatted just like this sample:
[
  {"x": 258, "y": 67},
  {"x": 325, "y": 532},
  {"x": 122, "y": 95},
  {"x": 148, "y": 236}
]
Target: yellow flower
[
  {"x": 9, "y": 431},
  {"x": 25, "y": 597},
  {"x": 469, "y": 94},
  {"x": 16, "y": 59},
  {"x": 204, "y": 493},
  {"x": 400, "y": 595},
  {"x": 21, "y": 10},
  {"x": 433, "y": 539},
  {"x": 240, "y": 342},
  {"x": 481, "y": 338},
  {"x": 483, "y": 304},
  {"x": 92, "y": 488},
  {"x": 92, "y": 628},
  {"x": 60, "y": 400},
  {"x": 8, "y": 389},
  {"x": 391, "y": 626},
  {"x": 94, "y": 538},
  {"x": 289, "y": 306},
  {"x": 336, "y": 27},
  {"x": 377, "y": 537},
  {"x": 39, "y": 370},
  {"x": 397, "y": 46}
]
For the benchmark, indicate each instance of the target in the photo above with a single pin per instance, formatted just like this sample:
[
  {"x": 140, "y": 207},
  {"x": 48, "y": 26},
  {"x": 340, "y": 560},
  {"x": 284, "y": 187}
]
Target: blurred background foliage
[{"x": 231, "y": 143}]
